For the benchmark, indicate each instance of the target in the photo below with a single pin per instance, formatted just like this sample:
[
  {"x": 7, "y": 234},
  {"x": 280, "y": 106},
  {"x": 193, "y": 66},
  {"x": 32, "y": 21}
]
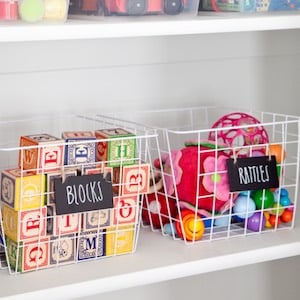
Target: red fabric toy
[{"x": 185, "y": 171}]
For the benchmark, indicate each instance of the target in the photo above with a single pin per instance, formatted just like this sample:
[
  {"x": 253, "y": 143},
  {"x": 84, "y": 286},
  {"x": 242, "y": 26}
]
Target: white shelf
[
  {"x": 157, "y": 259},
  {"x": 148, "y": 26}
]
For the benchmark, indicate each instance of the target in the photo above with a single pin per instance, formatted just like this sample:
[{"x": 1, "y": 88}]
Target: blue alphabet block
[
  {"x": 91, "y": 244},
  {"x": 77, "y": 152}
]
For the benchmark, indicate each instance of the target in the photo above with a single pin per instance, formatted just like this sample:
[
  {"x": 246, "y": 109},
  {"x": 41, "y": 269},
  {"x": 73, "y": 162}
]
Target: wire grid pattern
[
  {"x": 177, "y": 126},
  {"x": 35, "y": 238}
]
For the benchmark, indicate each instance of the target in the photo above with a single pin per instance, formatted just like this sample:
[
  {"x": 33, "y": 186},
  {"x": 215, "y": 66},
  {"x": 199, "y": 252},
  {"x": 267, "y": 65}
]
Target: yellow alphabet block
[
  {"x": 119, "y": 240},
  {"x": 22, "y": 190}
]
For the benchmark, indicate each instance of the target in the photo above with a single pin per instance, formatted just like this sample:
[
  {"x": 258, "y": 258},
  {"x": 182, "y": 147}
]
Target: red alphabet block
[
  {"x": 25, "y": 224},
  {"x": 41, "y": 153},
  {"x": 125, "y": 210},
  {"x": 62, "y": 224},
  {"x": 28, "y": 256},
  {"x": 136, "y": 179}
]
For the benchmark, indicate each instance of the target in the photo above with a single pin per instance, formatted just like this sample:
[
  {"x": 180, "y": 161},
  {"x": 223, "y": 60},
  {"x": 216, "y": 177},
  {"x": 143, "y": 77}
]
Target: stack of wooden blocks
[{"x": 35, "y": 235}]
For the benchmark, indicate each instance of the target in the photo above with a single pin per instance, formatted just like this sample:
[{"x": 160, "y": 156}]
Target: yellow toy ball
[{"x": 193, "y": 227}]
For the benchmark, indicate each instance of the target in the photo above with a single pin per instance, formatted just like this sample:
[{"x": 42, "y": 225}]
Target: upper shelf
[{"x": 114, "y": 27}]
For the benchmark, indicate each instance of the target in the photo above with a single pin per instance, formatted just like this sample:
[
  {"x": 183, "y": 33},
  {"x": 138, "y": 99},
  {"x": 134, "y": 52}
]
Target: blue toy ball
[
  {"x": 278, "y": 193},
  {"x": 169, "y": 229},
  {"x": 244, "y": 207},
  {"x": 285, "y": 201},
  {"x": 223, "y": 220}
]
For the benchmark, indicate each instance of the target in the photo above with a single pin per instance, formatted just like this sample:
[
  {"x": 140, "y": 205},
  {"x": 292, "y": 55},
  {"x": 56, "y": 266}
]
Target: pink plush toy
[{"x": 184, "y": 175}]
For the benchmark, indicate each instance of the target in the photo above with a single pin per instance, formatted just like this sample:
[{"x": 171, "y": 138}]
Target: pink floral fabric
[
  {"x": 177, "y": 170},
  {"x": 215, "y": 179}
]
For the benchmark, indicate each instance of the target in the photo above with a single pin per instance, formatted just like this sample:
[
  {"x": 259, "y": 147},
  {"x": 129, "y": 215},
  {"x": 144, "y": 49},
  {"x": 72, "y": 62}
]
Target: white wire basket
[
  {"x": 195, "y": 197},
  {"x": 71, "y": 189}
]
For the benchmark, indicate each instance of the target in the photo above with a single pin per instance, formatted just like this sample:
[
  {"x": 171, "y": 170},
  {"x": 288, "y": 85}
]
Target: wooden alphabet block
[
  {"x": 119, "y": 240},
  {"x": 63, "y": 174},
  {"x": 131, "y": 180},
  {"x": 62, "y": 224},
  {"x": 125, "y": 210},
  {"x": 91, "y": 244},
  {"x": 95, "y": 219},
  {"x": 22, "y": 190},
  {"x": 136, "y": 179},
  {"x": 25, "y": 224},
  {"x": 28, "y": 256},
  {"x": 117, "y": 146},
  {"x": 63, "y": 249},
  {"x": 41, "y": 153},
  {"x": 80, "y": 147}
]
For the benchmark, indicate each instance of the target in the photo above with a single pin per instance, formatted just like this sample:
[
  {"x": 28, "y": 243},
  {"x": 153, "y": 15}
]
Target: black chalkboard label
[
  {"x": 83, "y": 193},
  {"x": 252, "y": 173}
]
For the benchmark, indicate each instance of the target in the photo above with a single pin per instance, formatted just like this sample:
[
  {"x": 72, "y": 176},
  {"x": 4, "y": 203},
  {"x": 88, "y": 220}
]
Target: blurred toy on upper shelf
[
  {"x": 144, "y": 7},
  {"x": 92, "y": 8},
  {"x": 33, "y": 11},
  {"x": 249, "y": 5}
]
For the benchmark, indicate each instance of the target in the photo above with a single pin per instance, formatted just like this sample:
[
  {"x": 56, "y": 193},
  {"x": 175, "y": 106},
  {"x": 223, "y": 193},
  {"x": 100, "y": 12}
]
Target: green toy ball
[
  {"x": 263, "y": 198},
  {"x": 31, "y": 10},
  {"x": 277, "y": 209}
]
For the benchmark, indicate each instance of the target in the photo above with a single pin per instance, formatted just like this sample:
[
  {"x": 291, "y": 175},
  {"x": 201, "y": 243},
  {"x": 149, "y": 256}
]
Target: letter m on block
[{"x": 91, "y": 243}]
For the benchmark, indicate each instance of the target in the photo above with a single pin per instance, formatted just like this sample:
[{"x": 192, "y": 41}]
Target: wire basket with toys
[
  {"x": 71, "y": 189},
  {"x": 221, "y": 173}
]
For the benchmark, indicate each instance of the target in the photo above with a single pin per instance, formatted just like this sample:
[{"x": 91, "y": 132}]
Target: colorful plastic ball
[
  {"x": 222, "y": 220},
  {"x": 277, "y": 151},
  {"x": 287, "y": 216},
  {"x": 238, "y": 129},
  {"x": 277, "y": 209},
  {"x": 274, "y": 220},
  {"x": 256, "y": 222},
  {"x": 285, "y": 201},
  {"x": 192, "y": 227},
  {"x": 244, "y": 207},
  {"x": 257, "y": 153},
  {"x": 263, "y": 198},
  {"x": 169, "y": 229},
  {"x": 268, "y": 223},
  {"x": 207, "y": 221},
  {"x": 291, "y": 207},
  {"x": 280, "y": 192}
]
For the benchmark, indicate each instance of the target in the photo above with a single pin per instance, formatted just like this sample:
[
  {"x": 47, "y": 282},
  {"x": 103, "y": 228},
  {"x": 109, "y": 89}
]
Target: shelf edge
[{"x": 156, "y": 275}]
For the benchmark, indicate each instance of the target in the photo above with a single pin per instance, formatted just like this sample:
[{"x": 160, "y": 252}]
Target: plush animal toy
[{"x": 197, "y": 174}]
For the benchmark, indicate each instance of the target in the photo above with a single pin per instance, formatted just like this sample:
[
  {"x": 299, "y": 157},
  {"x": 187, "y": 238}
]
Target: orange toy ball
[
  {"x": 277, "y": 151},
  {"x": 267, "y": 216},
  {"x": 287, "y": 216},
  {"x": 274, "y": 220}
]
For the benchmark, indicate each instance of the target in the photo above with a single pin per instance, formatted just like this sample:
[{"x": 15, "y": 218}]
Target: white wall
[{"x": 252, "y": 70}]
